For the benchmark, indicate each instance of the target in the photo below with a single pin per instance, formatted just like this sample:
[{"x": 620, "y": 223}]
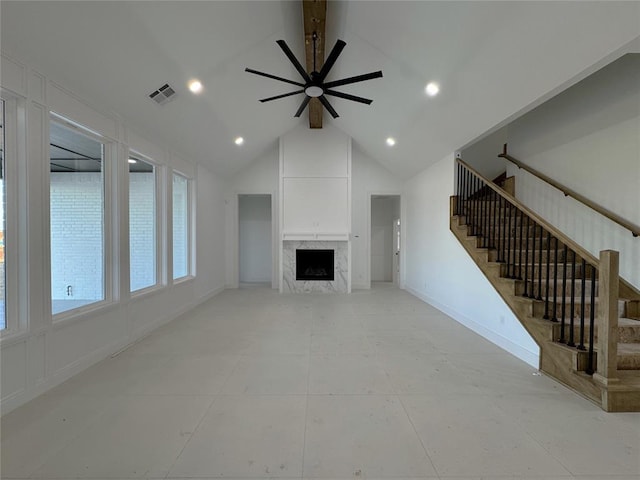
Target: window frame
[
  {"x": 189, "y": 228},
  {"x": 109, "y": 243},
  {"x": 159, "y": 220},
  {"x": 14, "y": 256}
]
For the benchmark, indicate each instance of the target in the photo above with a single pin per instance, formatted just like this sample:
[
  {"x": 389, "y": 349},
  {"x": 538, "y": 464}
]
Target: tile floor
[{"x": 372, "y": 385}]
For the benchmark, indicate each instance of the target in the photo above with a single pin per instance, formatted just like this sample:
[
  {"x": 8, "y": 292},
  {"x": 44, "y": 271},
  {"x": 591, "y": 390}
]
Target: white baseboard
[
  {"x": 63, "y": 374},
  {"x": 527, "y": 356}
]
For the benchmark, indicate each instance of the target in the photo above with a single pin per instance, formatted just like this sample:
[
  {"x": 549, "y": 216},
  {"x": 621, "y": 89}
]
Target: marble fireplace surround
[{"x": 340, "y": 261}]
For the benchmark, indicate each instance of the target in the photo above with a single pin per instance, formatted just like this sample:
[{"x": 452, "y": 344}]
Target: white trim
[
  {"x": 367, "y": 242},
  {"x": 158, "y": 221},
  {"x": 527, "y": 356}
]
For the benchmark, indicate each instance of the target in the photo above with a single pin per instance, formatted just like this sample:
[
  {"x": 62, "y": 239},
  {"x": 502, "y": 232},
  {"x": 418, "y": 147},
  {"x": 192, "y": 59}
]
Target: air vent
[{"x": 163, "y": 94}]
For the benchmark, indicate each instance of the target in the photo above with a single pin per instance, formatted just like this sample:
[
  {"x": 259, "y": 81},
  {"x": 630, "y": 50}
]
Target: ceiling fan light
[{"x": 314, "y": 91}]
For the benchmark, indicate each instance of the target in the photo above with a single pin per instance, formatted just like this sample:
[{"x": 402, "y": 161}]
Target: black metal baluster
[
  {"x": 508, "y": 239},
  {"x": 459, "y": 189},
  {"x": 571, "y": 341},
  {"x": 474, "y": 229},
  {"x": 546, "y": 296},
  {"x": 482, "y": 214},
  {"x": 592, "y": 318},
  {"x": 554, "y": 318},
  {"x": 520, "y": 245},
  {"x": 467, "y": 187},
  {"x": 583, "y": 306},
  {"x": 539, "y": 296},
  {"x": 478, "y": 205},
  {"x": 564, "y": 292},
  {"x": 487, "y": 215},
  {"x": 532, "y": 288},
  {"x": 492, "y": 224},
  {"x": 470, "y": 221},
  {"x": 526, "y": 260},
  {"x": 501, "y": 221}
]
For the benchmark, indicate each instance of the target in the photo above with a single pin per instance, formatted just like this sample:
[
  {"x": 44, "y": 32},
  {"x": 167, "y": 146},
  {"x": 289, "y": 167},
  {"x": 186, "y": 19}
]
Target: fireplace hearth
[{"x": 314, "y": 265}]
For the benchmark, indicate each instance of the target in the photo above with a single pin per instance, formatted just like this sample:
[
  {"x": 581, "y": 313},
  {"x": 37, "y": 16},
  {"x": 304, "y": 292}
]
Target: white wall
[
  {"x": 37, "y": 353},
  {"x": 587, "y": 138},
  {"x": 368, "y": 178},
  {"x": 439, "y": 270},
  {"x": 483, "y": 154},
  {"x": 316, "y": 182},
  {"x": 255, "y": 238}
]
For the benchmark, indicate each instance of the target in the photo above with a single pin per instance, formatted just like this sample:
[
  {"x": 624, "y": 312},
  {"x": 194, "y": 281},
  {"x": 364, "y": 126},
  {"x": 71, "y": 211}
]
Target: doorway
[
  {"x": 254, "y": 239},
  {"x": 385, "y": 238}
]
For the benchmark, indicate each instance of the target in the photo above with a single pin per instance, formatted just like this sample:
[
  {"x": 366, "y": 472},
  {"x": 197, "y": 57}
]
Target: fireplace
[{"x": 314, "y": 265}]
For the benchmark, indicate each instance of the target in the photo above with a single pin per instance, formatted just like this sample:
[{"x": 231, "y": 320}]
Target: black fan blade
[
  {"x": 281, "y": 96},
  {"x": 346, "y": 96},
  {"x": 328, "y": 106},
  {"x": 358, "y": 78},
  {"x": 303, "y": 105},
  {"x": 268, "y": 75},
  {"x": 287, "y": 51},
  {"x": 331, "y": 59}
]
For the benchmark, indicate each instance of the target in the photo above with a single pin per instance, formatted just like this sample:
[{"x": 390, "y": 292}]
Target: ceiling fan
[{"x": 314, "y": 85}]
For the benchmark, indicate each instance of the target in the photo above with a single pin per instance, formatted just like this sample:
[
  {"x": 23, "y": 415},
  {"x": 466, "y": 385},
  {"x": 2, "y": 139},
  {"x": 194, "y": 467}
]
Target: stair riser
[
  {"x": 533, "y": 271},
  {"x": 531, "y": 256},
  {"x": 536, "y": 289},
  {"x": 484, "y": 241},
  {"x": 538, "y": 309},
  {"x": 626, "y": 333},
  {"x": 628, "y": 362}
]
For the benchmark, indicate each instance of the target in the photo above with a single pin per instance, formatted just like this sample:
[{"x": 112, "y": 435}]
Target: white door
[{"x": 396, "y": 251}]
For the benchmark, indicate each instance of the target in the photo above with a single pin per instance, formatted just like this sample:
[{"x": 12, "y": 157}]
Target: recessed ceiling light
[
  {"x": 195, "y": 86},
  {"x": 432, "y": 89},
  {"x": 239, "y": 141},
  {"x": 391, "y": 141},
  {"x": 132, "y": 160}
]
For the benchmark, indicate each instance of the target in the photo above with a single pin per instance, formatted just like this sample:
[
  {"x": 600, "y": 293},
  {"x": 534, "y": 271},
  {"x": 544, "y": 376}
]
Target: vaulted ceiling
[{"x": 493, "y": 61}]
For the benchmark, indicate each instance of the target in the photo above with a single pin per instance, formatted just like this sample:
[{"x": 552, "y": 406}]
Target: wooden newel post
[{"x": 608, "y": 316}]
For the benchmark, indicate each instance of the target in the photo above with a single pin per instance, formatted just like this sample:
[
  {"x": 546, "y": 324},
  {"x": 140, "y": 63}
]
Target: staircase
[{"x": 582, "y": 315}]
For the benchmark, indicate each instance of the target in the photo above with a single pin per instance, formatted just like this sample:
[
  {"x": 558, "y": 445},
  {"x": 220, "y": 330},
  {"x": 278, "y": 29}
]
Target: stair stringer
[{"x": 556, "y": 360}]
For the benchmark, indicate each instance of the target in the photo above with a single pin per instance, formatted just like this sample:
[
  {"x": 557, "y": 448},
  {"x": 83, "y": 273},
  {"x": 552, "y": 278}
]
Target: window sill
[
  {"x": 185, "y": 279},
  {"x": 10, "y": 337},
  {"x": 146, "y": 292},
  {"x": 63, "y": 319}
]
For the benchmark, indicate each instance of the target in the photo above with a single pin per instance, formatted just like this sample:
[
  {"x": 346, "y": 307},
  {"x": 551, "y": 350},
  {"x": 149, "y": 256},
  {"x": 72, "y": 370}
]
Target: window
[
  {"x": 142, "y": 224},
  {"x": 76, "y": 219},
  {"x": 181, "y": 251},
  {"x": 3, "y": 222}
]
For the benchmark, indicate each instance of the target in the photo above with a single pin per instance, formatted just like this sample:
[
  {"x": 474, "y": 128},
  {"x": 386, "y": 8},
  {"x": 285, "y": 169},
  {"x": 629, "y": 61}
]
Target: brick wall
[
  {"x": 180, "y": 225},
  {"x": 76, "y": 236},
  {"x": 142, "y": 234}
]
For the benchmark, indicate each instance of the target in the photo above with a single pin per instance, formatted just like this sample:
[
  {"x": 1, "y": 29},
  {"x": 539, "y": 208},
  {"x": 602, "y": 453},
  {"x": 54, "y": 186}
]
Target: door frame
[
  {"x": 235, "y": 241},
  {"x": 370, "y": 196}
]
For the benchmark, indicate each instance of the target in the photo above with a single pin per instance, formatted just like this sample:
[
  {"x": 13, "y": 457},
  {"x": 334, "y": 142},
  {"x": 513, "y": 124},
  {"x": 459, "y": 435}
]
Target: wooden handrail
[
  {"x": 635, "y": 230},
  {"x": 588, "y": 256}
]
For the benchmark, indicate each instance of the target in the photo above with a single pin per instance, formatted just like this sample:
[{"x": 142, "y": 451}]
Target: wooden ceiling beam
[{"x": 315, "y": 15}]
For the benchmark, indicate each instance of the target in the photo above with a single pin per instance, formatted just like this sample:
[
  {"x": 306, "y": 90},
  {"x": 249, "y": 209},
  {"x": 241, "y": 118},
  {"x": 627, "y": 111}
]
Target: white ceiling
[{"x": 493, "y": 60}]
